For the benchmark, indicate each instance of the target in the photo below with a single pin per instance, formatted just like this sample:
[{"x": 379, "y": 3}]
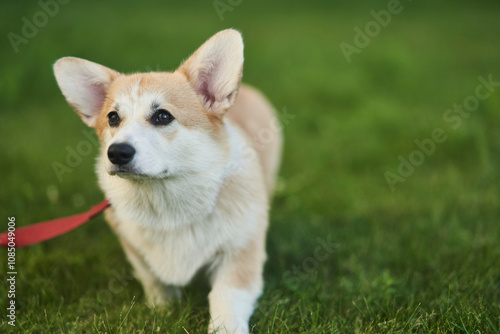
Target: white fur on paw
[{"x": 227, "y": 327}]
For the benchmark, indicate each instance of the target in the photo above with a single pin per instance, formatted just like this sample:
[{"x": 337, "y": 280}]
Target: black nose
[{"x": 120, "y": 154}]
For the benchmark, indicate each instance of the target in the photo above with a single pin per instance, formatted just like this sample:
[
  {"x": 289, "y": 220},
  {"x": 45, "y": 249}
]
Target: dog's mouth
[{"x": 131, "y": 173}]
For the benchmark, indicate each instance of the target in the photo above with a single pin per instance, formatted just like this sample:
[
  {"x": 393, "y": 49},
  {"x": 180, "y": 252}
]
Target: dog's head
[{"x": 157, "y": 125}]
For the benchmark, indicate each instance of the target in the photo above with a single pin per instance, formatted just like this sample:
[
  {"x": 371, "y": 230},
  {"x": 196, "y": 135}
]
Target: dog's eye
[
  {"x": 161, "y": 117},
  {"x": 113, "y": 119}
]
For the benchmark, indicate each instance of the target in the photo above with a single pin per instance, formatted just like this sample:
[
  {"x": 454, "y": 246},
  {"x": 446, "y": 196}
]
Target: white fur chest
[{"x": 176, "y": 255}]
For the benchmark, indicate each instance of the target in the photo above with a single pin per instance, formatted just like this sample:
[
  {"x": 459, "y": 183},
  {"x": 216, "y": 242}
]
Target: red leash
[{"x": 29, "y": 235}]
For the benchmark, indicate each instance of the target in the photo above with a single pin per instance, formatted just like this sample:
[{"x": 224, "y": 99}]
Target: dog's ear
[
  {"x": 85, "y": 85},
  {"x": 214, "y": 70}
]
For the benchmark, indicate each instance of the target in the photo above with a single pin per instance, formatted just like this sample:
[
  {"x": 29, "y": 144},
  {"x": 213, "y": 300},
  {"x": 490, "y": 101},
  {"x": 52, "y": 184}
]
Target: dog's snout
[{"x": 121, "y": 154}]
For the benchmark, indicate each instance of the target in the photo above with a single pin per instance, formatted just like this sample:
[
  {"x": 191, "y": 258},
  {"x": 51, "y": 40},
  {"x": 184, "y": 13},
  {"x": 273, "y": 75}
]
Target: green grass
[{"x": 424, "y": 258}]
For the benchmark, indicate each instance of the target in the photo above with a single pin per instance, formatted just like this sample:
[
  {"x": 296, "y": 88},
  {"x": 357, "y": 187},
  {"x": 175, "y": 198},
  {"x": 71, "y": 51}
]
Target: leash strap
[{"x": 33, "y": 234}]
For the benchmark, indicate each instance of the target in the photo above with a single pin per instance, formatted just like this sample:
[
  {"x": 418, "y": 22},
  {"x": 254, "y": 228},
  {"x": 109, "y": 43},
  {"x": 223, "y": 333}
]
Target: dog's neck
[{"x": 165, "y": 204}]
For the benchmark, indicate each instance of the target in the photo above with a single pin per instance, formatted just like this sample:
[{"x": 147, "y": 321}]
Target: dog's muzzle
[{"x": 121, "y": 154}]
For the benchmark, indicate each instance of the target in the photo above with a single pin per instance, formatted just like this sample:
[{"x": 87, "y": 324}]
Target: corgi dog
[{"x": 188, "y": 163}]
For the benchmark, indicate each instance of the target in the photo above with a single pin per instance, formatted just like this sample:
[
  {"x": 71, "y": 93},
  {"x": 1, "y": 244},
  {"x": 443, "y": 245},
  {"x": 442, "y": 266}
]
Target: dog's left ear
[
  {"x": 85, "y": 85},
  {"x": 214, "y": 70}
]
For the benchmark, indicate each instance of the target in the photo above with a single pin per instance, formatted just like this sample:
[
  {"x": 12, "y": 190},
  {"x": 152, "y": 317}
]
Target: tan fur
[{"x": 188, "y": 109}]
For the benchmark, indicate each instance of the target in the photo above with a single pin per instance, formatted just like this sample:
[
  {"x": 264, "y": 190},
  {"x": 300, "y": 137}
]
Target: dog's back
[{"x": 255, "y": 115}]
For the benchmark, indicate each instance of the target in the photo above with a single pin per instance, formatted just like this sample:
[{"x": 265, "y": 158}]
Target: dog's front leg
[
  {"x": 157, "y": 293},
  {"x": 237, "y": 284}
]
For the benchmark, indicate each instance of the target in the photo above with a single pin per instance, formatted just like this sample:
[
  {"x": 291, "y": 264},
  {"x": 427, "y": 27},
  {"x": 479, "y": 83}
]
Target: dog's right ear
[
  {"x": 85, "y": 85},
  {"x": 214, "y": 70}
]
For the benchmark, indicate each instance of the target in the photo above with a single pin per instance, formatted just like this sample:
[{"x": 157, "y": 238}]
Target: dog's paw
[{"x": 227, "y": 327}]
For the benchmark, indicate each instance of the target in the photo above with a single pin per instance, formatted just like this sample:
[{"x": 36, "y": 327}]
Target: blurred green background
[{"x": 421, "y": 257}]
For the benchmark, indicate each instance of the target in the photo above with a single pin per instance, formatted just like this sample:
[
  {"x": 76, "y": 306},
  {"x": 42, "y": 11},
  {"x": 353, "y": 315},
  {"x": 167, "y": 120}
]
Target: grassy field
[{"x": 420, "y": 256}]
